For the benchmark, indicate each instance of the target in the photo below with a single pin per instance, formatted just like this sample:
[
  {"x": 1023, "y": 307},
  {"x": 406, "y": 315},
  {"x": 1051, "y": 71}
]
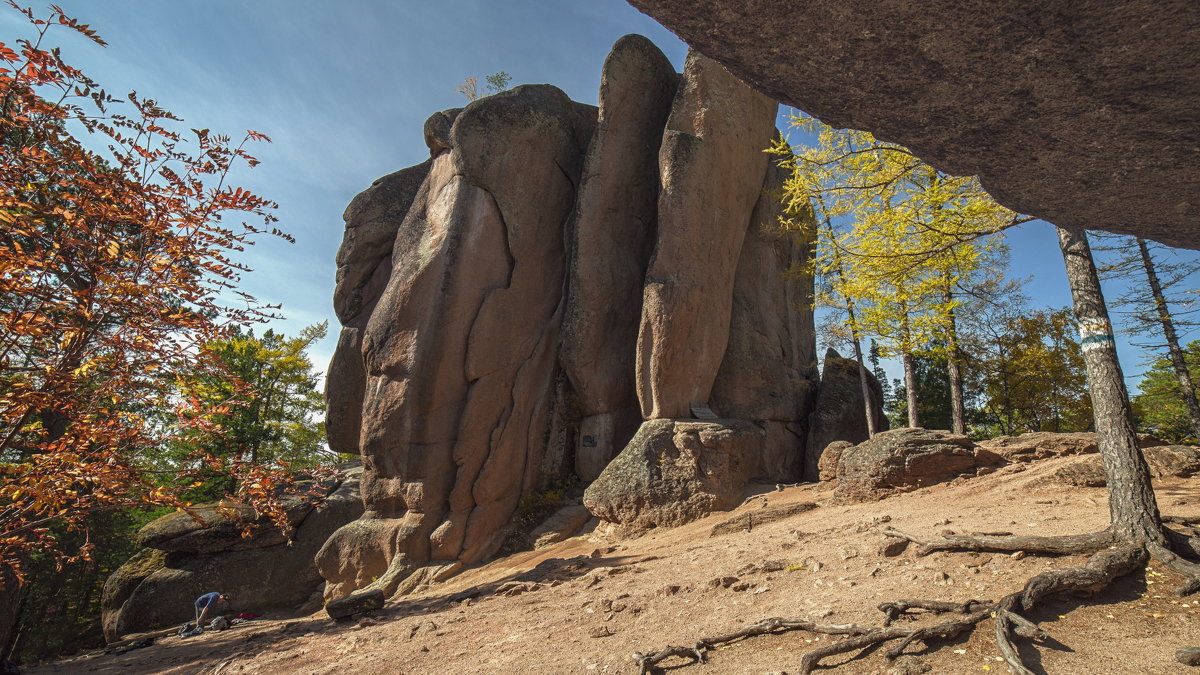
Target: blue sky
[{"x": 343, "y": 89}]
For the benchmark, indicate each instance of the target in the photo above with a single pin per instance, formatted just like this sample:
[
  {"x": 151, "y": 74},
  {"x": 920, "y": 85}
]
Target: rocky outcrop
[
  {"x": 839, "y": 413},
  {"x": 460, "y": 350},
  {"x": 186, "y": 556},
  {"x": 902, "y": 460},
  {"x": 1019, "y": 93},
  {"x": 675, "y": 471},
  {"x": 712, "y": 167},
  {"x": 1035, "y": 445},
  {"x": 1166, "y": 461},
  {"x": 614, "y": 226},
  {"x": 563, "y": 278}
]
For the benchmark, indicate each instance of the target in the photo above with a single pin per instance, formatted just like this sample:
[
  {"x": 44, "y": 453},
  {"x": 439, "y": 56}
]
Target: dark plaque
[
  {"x": 589, "y": 441},
  {"x": 701, "y": 411}
]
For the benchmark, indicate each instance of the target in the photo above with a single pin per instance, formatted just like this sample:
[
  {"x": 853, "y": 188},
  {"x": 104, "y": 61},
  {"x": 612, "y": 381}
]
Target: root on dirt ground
[{"x": 1110, "y": 559}]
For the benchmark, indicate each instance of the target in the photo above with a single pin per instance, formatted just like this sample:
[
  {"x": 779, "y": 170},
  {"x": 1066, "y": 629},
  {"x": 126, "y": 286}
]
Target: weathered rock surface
[
  {"x": 1014, "y": 92},
  {"x": 564, "y": 523},
  {"x": 562, "y": 274},
  {"x": 831, "y": 456},
  {"x": 675, "y": 471},
  {"x": 769, "y": 370},
  {"x": 1035, "y": 445},
  {"x": 902, "y": 460},
  {"x": 712, "y": 167},
  {"x": 156, "y": 588},
  {"x": 613, "y": 234},
  {"x": 364, "y": 262},
  {"x": 1166, "y": 461},
  {"x": 460, "y": 349},
  {"x": 839, "y": 413}
]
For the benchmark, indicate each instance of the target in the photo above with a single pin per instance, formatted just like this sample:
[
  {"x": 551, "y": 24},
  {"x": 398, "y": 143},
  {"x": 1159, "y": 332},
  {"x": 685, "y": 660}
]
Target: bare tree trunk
[
  {"x": 1168, "y": 326},
  {"x": 958, "y": 422},
  {"x": 869, "y": 409},
  {"x": 1131, "y": 503},
  {"x": 910, "y": 388}
]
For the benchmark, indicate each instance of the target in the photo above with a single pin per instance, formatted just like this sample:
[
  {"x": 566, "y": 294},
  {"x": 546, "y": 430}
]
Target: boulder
[
  {"x": 831, "y": 456},
  {"x": 676, "y": 471},
  {"x": 1035, "y": 445},
  {"x": 1167, "y": 461},
  {"x": 1012, "y": 92},
  {"x": 156, "y": 588},
  {"x": 839, "y": 412},
  {"x": 903, "y": 460},
  {"x": 612, "y": 233},
  {"x": 712, "y": 167}
]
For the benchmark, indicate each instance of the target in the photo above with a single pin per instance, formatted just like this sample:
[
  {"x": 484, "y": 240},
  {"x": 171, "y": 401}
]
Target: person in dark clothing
[{"x": 206, "y": 602}]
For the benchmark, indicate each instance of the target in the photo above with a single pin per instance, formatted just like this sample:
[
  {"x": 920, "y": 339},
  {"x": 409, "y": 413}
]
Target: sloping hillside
[{"x": 586, "y": 604}]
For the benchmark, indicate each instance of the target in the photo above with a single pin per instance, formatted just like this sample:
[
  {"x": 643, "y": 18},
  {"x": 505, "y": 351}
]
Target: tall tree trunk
[
  {"x": 910, "y": 375},
  {"x": 910, "y": 388},
  {"x": 958, "y": 422},
  {"x": 869, "y": 409},
  {"x": 1131, "y": 504},
  {"x": 1168, "y": 326}
]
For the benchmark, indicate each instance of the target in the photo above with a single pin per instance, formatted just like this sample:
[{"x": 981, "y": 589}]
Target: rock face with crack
[
  {"x": 185, "y": 556},
  {"x": 562, "y": 278},
  {"x": 1084, "y": 114}
]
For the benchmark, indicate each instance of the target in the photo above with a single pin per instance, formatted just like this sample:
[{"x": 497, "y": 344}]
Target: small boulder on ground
[
  {"x": 562, "y": 524},
  {"x": 902, "y": 460},
  {"x": 676, "y": 471},
  {"x": 831, "y": 456}
]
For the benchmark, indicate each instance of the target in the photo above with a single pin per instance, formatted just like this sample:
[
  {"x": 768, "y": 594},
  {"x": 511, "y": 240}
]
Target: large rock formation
[
  {"x": 187, "y": 555},
  {"x": 1081, "y": 113},
  {"x": 545, "y": 298}
]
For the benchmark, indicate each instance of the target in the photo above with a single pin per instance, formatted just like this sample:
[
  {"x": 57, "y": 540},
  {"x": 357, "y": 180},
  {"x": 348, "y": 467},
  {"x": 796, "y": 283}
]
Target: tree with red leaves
[{"x": 117, "y": 268}]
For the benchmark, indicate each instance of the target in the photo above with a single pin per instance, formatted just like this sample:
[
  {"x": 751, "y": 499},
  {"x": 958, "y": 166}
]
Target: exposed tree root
[{"x": 1110, "y": 560}]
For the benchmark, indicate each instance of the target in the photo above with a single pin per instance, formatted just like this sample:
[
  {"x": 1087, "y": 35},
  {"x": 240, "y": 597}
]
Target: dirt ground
[{"x": 586, "y": 604}]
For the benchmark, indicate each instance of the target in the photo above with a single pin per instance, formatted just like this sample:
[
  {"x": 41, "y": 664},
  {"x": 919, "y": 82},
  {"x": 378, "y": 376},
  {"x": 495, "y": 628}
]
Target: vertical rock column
[
  {"x": 460, "y": 350},
  {"x": 769, "y": 372},
  {"x": 712, "y": 166},
  {"x": 612, "y": 236}
]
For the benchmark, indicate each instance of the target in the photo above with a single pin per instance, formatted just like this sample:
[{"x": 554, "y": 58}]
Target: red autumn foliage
[{"x": 117, "y": 267}]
